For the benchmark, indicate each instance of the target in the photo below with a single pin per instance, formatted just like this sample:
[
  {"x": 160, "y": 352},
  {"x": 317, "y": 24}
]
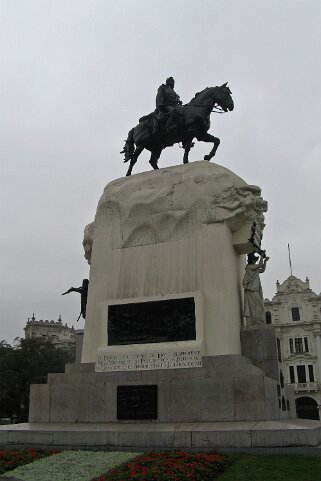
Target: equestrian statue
[{"x": 171, "y": 122}]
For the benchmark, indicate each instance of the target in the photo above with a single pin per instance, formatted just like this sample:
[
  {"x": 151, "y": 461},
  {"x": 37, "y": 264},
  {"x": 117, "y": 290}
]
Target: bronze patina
[{"x": 171, "y": 122}]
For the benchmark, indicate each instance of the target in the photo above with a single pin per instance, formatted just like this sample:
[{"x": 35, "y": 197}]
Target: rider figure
[
  {"x": 167, "y": 98},
  {"x": 166, "y": 102}
]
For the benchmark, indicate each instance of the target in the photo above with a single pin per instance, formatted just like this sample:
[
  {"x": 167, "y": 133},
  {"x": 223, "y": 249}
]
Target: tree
[{"x": 27, "y": 362}]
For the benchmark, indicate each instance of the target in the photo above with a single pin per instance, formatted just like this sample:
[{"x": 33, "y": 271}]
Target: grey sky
[{"x": 77, "y": 75}]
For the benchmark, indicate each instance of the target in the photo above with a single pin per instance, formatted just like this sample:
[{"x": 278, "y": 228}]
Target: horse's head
[{"x": 223, "y": 97}]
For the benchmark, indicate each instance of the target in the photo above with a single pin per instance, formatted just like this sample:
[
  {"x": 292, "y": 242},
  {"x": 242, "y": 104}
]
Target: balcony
[{"x": 305, "y": 386}]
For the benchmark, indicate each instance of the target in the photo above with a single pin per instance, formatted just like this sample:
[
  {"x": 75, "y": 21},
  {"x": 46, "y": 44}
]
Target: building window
[
  {"x": 281, "y": 379},
  {"x": 298, "y": 343},
  {"x": 306, "y": 344},
  {"x": 291, "y": 370},
  {"x": 295, "y": 314},
  {"x": 278, "y": 343},
  {"x": 301, "y": 374},
  {"x": 268, "y": 318},
  {"x": 311, "y": 373}
]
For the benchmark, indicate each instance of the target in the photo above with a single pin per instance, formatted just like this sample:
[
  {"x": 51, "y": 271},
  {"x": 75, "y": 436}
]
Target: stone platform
[
  {"x": 166, "y": 358},
  {"x": 110, "y": 436},
  {"x": 224, "y": 388}
]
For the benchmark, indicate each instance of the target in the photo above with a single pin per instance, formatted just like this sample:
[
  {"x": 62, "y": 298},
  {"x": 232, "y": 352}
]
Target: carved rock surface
[
  {"x": 177, "y": 232},
  {"x": 88, "y": 240},
  {"x": 170, "y": 204}
]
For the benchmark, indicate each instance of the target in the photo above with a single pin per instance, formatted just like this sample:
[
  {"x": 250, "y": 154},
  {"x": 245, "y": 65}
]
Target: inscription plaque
[
  {"x": 137, "y": 402},
  {"x": 150, "y": 322},
  {"x": 108, "y": 361}
]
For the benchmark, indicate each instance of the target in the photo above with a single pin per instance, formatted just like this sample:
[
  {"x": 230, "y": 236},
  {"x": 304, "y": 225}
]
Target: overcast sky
[{"x": 75, "y": 77}]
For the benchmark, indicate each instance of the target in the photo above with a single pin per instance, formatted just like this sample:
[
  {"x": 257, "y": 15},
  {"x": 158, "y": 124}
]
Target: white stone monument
[
  {"x": 164, "y": 340},
  {"x": 179, "y": 232}
]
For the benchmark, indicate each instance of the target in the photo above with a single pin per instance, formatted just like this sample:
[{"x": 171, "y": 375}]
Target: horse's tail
[{"x": 129, "y": 147}]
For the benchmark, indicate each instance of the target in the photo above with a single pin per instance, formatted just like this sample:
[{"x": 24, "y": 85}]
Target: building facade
[
  {"x": 58, "y": 333},
  {"x": 295, "y": 311}
]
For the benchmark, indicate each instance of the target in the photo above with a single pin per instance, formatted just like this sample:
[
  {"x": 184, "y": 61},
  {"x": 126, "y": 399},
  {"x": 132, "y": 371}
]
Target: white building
[
  {"x": 55, "y": 331},
  {"x": 295, "y": 311}
]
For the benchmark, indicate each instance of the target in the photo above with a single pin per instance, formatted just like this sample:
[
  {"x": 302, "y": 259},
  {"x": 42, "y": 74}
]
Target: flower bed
[
  {"x": 169, "y": 466},
  {"x": 71, "y": 466},
  {"x": 12, "y": 458}
]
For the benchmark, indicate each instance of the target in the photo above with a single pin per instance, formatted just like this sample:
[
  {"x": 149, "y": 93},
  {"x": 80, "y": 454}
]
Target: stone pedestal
[
  {"x": 164, "y": 342},
  {"x": 173, "y": 233},
  {"x": 261, "y": 346},
  {"x": 225, "y": 388}
]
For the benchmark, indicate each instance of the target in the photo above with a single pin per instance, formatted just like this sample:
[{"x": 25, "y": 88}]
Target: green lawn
[{"x": 273, "y": 468}]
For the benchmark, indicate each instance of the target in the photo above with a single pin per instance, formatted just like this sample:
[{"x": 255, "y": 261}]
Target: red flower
[
  {"x": 10, "y": 458},
  {"x": 169, "y": 466}
]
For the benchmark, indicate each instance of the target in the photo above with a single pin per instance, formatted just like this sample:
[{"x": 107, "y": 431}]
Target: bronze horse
[{"x": 183, "y": 124}]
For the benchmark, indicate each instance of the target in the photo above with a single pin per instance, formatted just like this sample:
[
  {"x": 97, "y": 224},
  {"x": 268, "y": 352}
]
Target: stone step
[{"x": 137, "y": 436}]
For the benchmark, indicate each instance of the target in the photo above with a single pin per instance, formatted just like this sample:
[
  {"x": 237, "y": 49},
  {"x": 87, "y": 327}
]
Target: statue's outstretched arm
[{"x": 73, "y": 289}]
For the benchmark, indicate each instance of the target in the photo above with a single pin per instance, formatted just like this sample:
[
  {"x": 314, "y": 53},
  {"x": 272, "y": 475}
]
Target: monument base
[
  {"x": 225, "y": 388},
  {"x": 260, "y": 344},
  {"x": 142, "y": 436},
  {"x": 163, "y": 361}
]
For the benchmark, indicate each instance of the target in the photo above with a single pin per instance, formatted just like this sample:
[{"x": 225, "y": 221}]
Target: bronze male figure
[
  {"x": 173, "y": 122},
  {"x": 83, "y": 291}
]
